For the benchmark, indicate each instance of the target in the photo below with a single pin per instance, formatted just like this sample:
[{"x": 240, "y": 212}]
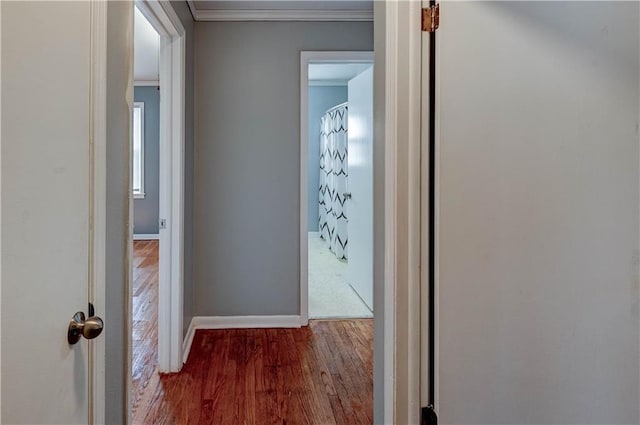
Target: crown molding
[
  {"x": 324, "y": 15},
  {"x": 192, "y": 9}
]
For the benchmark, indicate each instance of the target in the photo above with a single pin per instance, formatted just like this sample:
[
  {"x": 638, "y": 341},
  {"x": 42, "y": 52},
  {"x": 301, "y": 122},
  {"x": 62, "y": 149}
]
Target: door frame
[
  {"x": 400, "y": 218},
  {"x": 307, "y": 58},
  {"x": 98, "y": 202},
  {"x": 171, "y": 206}
]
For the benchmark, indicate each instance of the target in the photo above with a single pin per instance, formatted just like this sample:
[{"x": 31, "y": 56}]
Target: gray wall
[
  {"x": 320, "y": 98},
  {"x": 145, "y": 211},
  {"x": 247, "y": 154},
  {"x": 182, "y": 9},
  {"x": 119, "y": 75}
]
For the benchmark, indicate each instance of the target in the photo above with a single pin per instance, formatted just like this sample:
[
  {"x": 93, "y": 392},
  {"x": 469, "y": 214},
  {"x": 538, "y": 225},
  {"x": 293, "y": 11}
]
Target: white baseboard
[
  {"x": 146, "y": 237},
  {"x": 188, "y": 340},
  {"x": 238, "y": 322},
  {"x": 235, "y": 322}
]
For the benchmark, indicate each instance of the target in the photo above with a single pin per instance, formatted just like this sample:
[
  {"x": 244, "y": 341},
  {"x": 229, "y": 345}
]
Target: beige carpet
[{"x": 330, "y": 296}]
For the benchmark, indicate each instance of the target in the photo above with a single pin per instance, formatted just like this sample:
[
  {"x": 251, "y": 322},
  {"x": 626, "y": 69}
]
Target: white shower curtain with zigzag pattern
[{"x": 332, "y": 215}]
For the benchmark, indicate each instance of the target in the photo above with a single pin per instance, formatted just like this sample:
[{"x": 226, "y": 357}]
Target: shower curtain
[{"x": 332, "y": 215}]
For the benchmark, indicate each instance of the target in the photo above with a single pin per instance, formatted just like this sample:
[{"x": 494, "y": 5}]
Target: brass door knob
[{"x": 88, "y": 328}]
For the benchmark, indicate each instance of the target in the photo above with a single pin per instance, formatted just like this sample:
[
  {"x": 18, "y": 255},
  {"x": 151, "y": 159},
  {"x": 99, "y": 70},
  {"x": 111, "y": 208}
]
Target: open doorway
[
  {"x": 146, "y": 193},
  {"x": 155, "y": 318},
  {"x": 337, "y": 164}
]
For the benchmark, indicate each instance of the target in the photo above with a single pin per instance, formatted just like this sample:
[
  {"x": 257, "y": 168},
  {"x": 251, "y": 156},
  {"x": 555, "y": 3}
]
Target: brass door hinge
[{"x": 431, "y": 18}]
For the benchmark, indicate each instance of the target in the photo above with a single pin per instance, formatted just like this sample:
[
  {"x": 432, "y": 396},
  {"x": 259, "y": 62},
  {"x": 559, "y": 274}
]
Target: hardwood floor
[
  {"x": 321, "y": 374},
  {"x": 145, "y": 323}
]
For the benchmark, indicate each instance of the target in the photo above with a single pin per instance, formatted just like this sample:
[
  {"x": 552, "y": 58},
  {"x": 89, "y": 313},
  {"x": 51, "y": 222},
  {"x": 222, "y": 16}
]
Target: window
[{"x": 138, "y": 150}]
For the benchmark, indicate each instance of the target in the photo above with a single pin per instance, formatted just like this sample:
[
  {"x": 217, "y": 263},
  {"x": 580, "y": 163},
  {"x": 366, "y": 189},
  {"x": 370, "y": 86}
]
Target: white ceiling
[
  {"x": 146, "y": 50},
  {"x": 334, "y": 73},
  {"x": 281, "y": 10}
]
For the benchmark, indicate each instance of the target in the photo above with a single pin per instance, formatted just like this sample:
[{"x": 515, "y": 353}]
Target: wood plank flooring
[
  {"x": 145, "y": 323},
  {"x": 321, "y": 374}
]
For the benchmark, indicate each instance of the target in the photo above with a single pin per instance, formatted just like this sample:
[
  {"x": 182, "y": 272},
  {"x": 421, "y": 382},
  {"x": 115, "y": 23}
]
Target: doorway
[
  {"x": 146, "y": 191},
  {"x": 337, "y": 191},
  {"x": 155, "y": 309}
]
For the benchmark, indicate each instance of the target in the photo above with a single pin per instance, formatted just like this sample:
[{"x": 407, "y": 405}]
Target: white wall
[{"x": 538, "y": 213}]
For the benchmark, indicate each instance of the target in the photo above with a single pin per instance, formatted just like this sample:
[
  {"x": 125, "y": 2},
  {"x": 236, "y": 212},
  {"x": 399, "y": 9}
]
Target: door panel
[
  {"x": 537, "y": 261},
  {"x": 360, "y": 181},
  {"x": 45, "y": 209}
]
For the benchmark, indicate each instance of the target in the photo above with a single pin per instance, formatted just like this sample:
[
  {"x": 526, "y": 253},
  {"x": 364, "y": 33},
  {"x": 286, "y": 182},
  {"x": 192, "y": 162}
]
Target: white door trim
[
  {"x": 98, "y": 197},
  {"x": 398, "y": 60},
  {"x": 266, "y": 14},
  {"x": 306, "y": 58},
  {"x": 172, "y": 127}
]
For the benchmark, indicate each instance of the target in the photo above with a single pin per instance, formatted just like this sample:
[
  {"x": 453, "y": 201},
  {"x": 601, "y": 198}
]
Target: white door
[
  {"x": 537, "y": 213},
  {"x": 360, "y": 183},
  {"x": 48, "y": 203}
]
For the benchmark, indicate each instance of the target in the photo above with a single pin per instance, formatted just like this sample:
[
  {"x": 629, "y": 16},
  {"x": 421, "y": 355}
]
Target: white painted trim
[
  {"x": 410, "y": 105},
  {"x": 424, "y": 230},
  {"x": 245, "y": 322},
  {"x": 306, "y": 58},
  {"x": 389, "y": 343},
  {"x": 437, "y": 228},
  {"x": 146, "y": 83},
  {"x": 304, "y": 222},
  {"x": 328, "y": 83},
  {"x": 336, "y": 57},
  {"x": 162, "y": 18},
  {"x": 172, "y": 129},
  {"x": 402, "y": 282},
  {"x": 146, "y": 237},
  {"x": 177, "y": 199},
  {"x": 322, "y": 15},
  {"x": 98, "y": 190},
  {"x": 140, "y": 105},
  {"x": 128, "y": 313}
]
